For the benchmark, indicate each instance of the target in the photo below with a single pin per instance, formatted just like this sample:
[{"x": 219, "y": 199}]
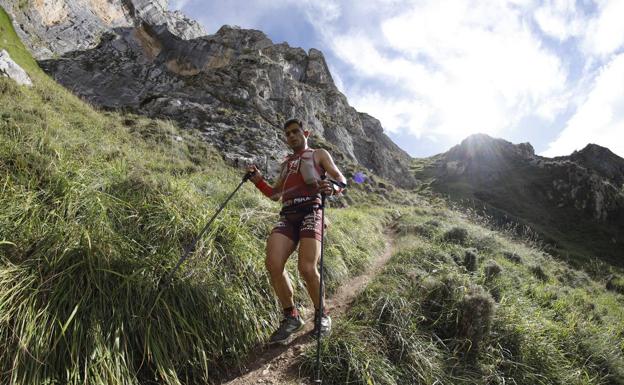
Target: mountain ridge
[{"x": 576, "y": 202}]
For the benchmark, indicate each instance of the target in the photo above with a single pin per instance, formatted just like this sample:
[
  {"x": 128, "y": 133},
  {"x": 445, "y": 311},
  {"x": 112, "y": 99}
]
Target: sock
[{"x": 291, "y": 312}]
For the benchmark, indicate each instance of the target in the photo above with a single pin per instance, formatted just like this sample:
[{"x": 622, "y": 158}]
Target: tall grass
[{"x": 96, "y": 208}]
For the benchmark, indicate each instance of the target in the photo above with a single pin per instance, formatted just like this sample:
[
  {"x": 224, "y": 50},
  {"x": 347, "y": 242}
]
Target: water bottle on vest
[{"x": 308, "y": 171}]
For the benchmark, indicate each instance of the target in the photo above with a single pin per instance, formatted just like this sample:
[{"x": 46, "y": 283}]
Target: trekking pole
[
  {"x": 191, "y": 247},
  {"x": 317, "y": 377}
]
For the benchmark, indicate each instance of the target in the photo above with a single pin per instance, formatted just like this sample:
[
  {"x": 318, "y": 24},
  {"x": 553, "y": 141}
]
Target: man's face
[{"x": 295, "y": 136}]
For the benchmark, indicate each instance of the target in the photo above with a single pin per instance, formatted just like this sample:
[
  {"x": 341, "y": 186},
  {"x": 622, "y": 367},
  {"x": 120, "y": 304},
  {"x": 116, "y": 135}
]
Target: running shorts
[{"x": 300, "y": 225}]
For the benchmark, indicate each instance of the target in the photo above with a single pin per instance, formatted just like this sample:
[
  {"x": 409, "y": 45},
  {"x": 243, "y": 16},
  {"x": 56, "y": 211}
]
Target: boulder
[{"x": 12, "y": 70}]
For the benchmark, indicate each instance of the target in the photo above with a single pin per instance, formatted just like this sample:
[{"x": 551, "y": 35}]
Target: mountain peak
[
  {"x": 484, "y": 147},
  {"x": 602, "y": 161},
  {"x": 595, "y": 149}
]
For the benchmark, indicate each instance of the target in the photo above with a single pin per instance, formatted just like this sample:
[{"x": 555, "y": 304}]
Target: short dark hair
[{"x": 291, "y": 121}]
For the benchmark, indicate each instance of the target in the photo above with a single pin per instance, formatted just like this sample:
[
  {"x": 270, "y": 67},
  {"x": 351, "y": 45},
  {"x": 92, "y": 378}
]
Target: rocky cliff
[
  {"x": 576, "y": 201},
  {"x": 235, "y": 86}
]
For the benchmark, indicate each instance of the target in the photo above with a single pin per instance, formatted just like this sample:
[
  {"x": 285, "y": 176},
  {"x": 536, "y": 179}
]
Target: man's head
[{"x": 296, "y": 136}]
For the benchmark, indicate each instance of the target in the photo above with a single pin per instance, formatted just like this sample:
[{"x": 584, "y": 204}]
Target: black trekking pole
[
  {"x": 189, "y": 250},
  {"x": 317, "y": 376}
]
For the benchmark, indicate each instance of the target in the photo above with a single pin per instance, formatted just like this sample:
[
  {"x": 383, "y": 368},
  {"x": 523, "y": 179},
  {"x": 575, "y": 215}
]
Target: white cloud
[
  {"x": 560, "y": 19},
  {"x": 600, "y": 119},
  {"x": 445, "y": 69},
  {"x": 464, "y": 67},
  {"x": 395, "y": 113},
  {"x": 605, "y": 33}
]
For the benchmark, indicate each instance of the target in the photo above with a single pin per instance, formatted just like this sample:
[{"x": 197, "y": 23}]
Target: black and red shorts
[{"x": 300, "y": 225}]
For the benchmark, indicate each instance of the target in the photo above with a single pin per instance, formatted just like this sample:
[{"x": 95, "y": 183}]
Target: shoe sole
[{"x": 289, "y": 339}]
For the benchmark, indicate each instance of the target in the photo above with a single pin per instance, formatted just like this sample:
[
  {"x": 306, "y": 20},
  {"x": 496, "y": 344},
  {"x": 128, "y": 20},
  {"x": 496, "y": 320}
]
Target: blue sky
[{"x": 435, "y": 71}]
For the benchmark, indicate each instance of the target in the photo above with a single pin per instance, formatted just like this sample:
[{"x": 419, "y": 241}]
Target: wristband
[{"x": 264, "y": 187}]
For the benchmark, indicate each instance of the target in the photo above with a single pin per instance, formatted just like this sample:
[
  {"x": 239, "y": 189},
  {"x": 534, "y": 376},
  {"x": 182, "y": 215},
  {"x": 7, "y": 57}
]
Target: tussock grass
[{"x": 522, "y": 317}]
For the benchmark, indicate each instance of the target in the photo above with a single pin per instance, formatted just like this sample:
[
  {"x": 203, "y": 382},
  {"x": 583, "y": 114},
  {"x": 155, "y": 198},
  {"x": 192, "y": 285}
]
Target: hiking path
[{"x": 279, "y": 364}]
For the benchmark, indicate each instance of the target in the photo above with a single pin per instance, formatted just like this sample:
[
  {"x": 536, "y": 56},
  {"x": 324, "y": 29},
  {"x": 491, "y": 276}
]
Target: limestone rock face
[
  {"x": 13, "y": 71},
  {"x": 235, "y": 86},
  {"x": 50, "y": 28}
]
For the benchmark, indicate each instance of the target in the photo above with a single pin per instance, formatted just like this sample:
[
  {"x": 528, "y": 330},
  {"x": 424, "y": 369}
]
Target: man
[{"x": 300, "y": 186}]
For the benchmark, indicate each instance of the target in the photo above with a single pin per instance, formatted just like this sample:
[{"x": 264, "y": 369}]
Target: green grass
[
  {"x": 96, "y": 207},
  {"x": 429, "y": 319},
  {"x": 11, "y": 42}
]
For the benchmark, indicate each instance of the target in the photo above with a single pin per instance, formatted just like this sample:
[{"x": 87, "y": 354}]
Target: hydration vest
[{"x": 300, "y": 174}]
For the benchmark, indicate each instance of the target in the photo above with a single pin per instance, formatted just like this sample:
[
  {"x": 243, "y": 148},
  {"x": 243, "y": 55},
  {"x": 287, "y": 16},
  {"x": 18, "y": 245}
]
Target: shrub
[
  {"x": 615, "y": 283},
  {"x": 492, "y": 269},
  {"x": 458, "y": 235},
  {"x": 538, "y": 272},
  {"x": 513, "y": 257},
  {"x": 476, "y": 314},
  {"x": 470, "y": 259}
]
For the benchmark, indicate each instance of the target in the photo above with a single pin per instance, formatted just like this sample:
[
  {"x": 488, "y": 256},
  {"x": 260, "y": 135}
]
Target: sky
[{"x": 436, "y": 71}]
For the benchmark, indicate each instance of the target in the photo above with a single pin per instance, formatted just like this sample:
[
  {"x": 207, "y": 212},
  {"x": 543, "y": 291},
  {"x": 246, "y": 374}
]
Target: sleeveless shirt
[{"x": 295, "y": 192}]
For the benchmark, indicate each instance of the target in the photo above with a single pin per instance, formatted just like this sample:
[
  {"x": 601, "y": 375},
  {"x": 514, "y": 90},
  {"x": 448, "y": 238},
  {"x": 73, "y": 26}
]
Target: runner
[{"x": 299, "y": 185}]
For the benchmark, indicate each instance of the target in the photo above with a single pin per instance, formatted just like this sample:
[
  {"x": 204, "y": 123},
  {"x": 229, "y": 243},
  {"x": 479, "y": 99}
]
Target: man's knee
[
  {"x": 308, "y": 270},
  {"x": 274, "y": 267}
]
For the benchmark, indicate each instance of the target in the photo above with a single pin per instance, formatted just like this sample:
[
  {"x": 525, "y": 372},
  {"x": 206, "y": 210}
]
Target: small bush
[
  {"x": 615, "y": 283},
  {"x": 538, "y": 272},
  {"x": 485, "y": 243},
  {"x": 458, "y": 235},
  {"x": 513, "y": 257},
  {"x": 470, "y": 259},
  {"x": 476, "y": 315},
  {"x": 492, "y": 269},
  {"x": 432, "y": 223}
]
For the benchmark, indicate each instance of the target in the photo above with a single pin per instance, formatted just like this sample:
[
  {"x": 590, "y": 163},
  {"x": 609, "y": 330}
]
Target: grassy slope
[
  {"x": 95, "y": 208},
  {"x": 513, "y": 316}
]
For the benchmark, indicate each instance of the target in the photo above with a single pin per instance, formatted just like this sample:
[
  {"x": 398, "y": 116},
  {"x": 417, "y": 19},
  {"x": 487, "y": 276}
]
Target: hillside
[
  {"x": 97, "y": 205},
  {"x": 575, "y": 203},
  {"x": 235, "y": 86}
]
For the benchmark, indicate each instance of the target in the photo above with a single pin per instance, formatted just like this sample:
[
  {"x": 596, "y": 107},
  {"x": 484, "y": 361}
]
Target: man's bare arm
[
  {"x": 277, "y": 187},
  {"x": 275, "y": 192},
  {"x": 326, "y": 161}
]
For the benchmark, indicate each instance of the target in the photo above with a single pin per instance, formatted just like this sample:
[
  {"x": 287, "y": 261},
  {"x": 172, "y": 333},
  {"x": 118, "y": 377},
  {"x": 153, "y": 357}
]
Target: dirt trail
[{"x": 277, "y": 364}]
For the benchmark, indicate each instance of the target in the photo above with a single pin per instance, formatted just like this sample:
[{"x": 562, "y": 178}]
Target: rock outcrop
[
  {"x": 236, "y": 86},
  {"x": 10, "y": 69},
  {"x": 51, "y": 28}
]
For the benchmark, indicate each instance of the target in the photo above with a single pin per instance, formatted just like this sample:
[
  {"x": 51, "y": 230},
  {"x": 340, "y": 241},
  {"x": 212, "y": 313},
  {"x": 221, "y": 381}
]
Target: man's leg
[
  {"x": 309, "y": 253},
  {"x": 279, "y": 247}
]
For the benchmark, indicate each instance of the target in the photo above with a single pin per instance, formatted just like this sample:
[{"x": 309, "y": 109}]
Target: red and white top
[{"x": 295, "y": 191}]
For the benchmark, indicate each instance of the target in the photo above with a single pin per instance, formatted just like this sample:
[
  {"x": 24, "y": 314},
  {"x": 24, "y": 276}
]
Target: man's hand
[
  {"x": 326, "y": 187},
  {"x": 257, "y": 175}
]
